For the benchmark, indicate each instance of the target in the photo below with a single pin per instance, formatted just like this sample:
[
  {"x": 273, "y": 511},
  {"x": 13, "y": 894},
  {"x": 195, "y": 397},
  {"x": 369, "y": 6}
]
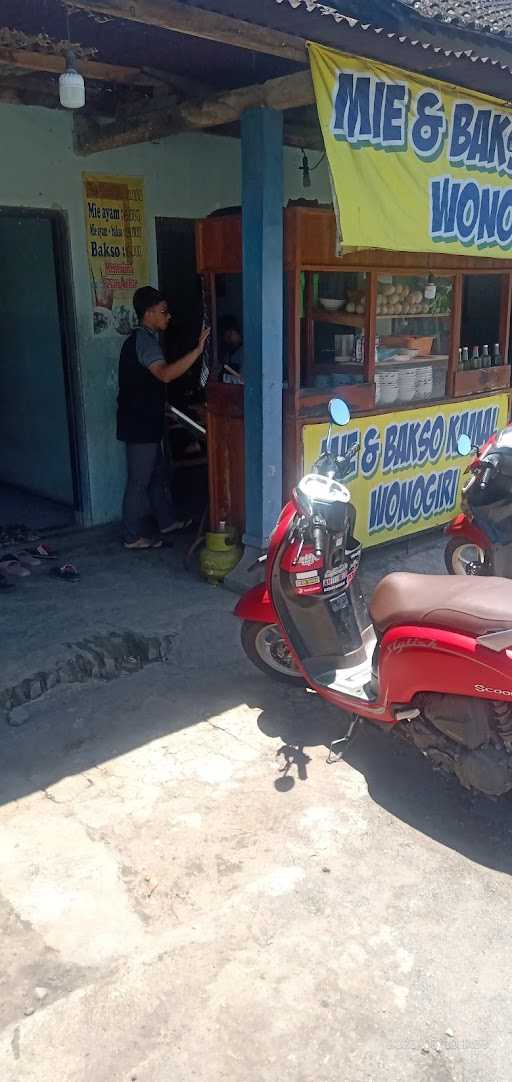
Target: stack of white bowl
[
  {"x": 407, "y": 384},
  {"x": 439, "y": 380},
  {"x": 424, "y": 381},
  {"x": 387, "y": 387},
  {"x": 378, "y": 389}
]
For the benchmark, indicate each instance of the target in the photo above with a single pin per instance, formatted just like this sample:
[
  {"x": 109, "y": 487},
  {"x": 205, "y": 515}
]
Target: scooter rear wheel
[
  {"x": 463, "y": 557},
  {"x": 265, "y": 647}
]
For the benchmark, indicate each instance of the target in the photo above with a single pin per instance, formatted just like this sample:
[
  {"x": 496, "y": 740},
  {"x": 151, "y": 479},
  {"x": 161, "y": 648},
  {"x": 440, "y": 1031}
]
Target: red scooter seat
[{"x": 473, "y": 606}]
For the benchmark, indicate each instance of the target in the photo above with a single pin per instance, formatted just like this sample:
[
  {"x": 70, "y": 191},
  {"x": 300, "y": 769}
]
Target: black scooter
[{"x": 481, "y": 535}]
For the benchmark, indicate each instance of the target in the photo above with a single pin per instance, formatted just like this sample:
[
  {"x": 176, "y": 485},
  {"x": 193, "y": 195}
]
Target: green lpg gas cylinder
[{"x": 220, "y": 553}]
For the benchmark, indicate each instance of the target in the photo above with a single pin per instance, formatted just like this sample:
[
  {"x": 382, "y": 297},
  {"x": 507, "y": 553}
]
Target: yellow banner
[
  {"x": 417, "y": 165},
  {"x": 406, "y": 471},
  {"x": 116, "y": 248}
]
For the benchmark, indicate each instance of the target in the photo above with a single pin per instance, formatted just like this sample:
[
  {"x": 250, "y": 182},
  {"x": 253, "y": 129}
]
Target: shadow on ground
[
  {"x": 399, "y": 780},
  {"x": 75, "y": 731}
]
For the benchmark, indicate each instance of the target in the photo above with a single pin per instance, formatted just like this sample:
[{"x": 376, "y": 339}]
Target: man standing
[{"x": 143, "y": 375}]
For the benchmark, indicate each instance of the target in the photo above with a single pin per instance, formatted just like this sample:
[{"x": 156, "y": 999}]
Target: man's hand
[
  {"x": 203, "y": 338},
  {"x": 167, "y": 373}
]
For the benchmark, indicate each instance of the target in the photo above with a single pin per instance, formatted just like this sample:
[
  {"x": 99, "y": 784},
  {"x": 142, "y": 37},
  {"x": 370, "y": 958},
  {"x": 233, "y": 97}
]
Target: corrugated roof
[
  {"x": 485, "y": 16},
  {"x": 323, "y": 9},
  {"x": 455, "y": 28}
]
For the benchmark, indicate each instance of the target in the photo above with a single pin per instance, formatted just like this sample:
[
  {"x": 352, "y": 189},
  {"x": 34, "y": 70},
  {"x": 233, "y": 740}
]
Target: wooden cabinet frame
[{"x": 310, "y": 246}]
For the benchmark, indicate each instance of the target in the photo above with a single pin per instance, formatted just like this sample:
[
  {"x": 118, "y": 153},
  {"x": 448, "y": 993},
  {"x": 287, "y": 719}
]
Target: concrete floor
[
  {"x": 188, "y": 891},
  {"x": 137, "y": 593}
]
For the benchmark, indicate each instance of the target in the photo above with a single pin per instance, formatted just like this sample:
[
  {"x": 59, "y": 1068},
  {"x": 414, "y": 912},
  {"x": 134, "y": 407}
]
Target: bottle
[
  {"x": 461, "y": 361},
  {"x": 465, "y": 359},
  {"x": 475, "y": 358},
  {"x": 430, "y": 289},
  {"x": 496, "y": 355},
  {"x": 486, "y": 359}
]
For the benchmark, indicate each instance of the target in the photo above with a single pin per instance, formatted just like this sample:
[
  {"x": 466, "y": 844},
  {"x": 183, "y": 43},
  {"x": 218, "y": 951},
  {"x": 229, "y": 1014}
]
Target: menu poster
[{"x": 116, "y": 249}]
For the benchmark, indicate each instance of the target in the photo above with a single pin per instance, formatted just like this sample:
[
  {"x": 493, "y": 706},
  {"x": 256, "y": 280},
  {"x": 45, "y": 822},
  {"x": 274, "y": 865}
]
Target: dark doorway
[
  {"x": 38, "y": 472},
  {"x": 179, "y": 281}
]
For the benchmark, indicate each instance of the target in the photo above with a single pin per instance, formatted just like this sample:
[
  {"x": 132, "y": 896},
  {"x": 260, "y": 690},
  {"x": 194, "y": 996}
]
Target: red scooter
[
  {"x": 481, "y": 535},
  {"x": 434, "y": 656}
]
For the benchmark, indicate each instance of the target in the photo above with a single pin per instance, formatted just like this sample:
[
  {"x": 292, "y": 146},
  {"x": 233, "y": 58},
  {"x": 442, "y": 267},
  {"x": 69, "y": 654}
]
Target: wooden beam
[
  {"x": 199, "y": 23},
  {"x": 164, "y": 118},
  {"x": 295, "y": 135},
  {"x": 23, "y": 60}
]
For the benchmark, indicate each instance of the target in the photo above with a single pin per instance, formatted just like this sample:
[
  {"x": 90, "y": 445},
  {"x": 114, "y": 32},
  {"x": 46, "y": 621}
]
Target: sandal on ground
[
  {"x": 10, "y": 565},
  {"x": 67, "y": 571},
  {"x": 143, "y": 543},
  {"x": 42, "y": 552},
  {"x": 178, "y": 527}
]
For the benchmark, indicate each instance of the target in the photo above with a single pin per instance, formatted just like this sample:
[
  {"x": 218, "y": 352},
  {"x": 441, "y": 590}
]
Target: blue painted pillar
[{"x": 262, "y": 218}]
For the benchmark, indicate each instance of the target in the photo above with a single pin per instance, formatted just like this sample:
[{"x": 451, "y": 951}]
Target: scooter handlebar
[
  {"x": 488, "y": 467},
  {"x": 485, "y": 477}
]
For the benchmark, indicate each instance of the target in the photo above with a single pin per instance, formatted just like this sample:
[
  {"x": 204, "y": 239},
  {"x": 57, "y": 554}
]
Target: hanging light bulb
[{"x": 71, "y": 85}]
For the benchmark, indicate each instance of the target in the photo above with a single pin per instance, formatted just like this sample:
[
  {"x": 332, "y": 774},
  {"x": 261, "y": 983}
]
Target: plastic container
[{"x": 343, "y": 346}]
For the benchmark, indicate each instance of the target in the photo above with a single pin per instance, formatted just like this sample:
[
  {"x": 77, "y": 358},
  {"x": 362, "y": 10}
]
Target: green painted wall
[{"x": 185, "y": 176}]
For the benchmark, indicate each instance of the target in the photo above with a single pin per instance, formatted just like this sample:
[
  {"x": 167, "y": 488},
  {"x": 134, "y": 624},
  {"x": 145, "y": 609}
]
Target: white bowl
[{"x": 331, "y": 305}]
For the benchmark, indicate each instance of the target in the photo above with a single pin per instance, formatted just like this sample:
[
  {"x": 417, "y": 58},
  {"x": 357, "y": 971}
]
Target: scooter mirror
[
  {"x": 339, "y": 412},
  {"x": 464, "y": 445}
]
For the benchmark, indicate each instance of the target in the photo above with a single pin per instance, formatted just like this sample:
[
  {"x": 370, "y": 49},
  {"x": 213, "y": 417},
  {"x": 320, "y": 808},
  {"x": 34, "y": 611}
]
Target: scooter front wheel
[
  {"x": 265, "y": 647},
  {"x": 463, "y": 557}
]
